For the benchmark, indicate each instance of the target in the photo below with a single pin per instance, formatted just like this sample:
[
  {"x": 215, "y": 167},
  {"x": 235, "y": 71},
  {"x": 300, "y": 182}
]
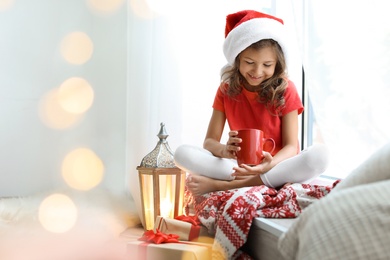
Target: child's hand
[
  {"x": 246, "y": 170},
  {"x": 231, "y": 147}
]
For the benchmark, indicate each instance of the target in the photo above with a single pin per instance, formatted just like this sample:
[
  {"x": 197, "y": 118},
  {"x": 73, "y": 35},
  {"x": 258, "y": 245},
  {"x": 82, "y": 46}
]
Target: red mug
[{"x": 251, "y": 152}]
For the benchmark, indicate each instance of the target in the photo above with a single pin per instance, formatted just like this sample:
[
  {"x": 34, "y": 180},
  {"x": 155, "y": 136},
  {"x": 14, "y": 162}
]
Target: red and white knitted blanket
[{"x": 229, "y": 214}]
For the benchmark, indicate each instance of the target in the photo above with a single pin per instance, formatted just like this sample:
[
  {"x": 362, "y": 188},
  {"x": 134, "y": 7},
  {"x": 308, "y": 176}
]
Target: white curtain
[{"x": 346, "y": 50}]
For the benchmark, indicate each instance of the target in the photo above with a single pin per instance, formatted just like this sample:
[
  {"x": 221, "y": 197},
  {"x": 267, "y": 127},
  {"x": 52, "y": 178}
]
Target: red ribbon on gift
[
  {"x": 195, "y": 228},
  {"x": 158, "y": 237},
  {"x": 190, "y": 219}
]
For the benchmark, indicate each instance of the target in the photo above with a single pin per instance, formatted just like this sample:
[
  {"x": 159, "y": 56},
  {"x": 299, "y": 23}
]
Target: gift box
[
  {"x": 141, "y": 250},
  {"x": 187, "y": 228}
]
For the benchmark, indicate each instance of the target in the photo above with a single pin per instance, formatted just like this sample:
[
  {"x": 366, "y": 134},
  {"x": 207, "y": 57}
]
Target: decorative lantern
[{"x": 161, "y": 183}]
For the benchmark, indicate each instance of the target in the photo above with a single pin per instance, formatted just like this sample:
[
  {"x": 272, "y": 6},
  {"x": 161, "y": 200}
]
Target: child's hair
[{"x": 271, "y": 90}]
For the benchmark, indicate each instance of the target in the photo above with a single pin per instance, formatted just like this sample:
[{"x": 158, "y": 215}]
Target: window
[{"x": 346, "y": 62}]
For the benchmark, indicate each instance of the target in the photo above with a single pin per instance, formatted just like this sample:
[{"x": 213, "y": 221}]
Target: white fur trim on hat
[{"x": 250, "y": 32}]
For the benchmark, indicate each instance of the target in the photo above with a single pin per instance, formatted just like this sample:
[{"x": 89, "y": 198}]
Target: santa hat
[{"x": 247, "y": 27}]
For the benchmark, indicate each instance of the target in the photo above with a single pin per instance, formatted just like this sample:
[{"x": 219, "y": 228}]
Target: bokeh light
[
  {"x": 75, "y": 95},
  {"x": 77, "y": 48},
  {"x": 141, "y": 9},
  {"x": 105, "y": 6},
  {"x": 164, "y": 6},
  {"x": 82, "y": 169},
  {"x": 6, "y": 4},
  {"x": 57, "y": 213},
  {"x": 53, "y": 114}
]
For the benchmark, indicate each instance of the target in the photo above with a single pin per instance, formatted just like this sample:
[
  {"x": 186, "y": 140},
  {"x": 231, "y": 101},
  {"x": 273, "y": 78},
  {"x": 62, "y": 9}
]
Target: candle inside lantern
[{"x": 166, "y": 208}]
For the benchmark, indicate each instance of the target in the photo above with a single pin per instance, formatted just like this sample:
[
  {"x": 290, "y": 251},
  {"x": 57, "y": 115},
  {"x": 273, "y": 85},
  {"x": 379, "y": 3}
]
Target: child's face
[{"x": 257, "y": 65}]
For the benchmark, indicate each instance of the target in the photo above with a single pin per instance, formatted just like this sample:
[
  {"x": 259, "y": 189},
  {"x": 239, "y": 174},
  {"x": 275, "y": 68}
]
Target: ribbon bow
[
  {"x": 159, "y": 237},
  {"x": 190, "y": 219}
]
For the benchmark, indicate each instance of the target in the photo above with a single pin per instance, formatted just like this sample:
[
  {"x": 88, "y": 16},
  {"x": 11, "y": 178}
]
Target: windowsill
[{"x": 275, "y": 226}]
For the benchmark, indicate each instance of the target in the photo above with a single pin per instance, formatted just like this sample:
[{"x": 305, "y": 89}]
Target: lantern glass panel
[
  {"x": 148, "y": 199},
  {"x": 181, "y": 193},
  {"x": 167, "y": 195}
]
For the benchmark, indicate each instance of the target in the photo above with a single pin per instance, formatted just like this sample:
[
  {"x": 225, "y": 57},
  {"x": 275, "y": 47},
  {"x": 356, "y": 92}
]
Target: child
[{"x": 254, "y": 93}]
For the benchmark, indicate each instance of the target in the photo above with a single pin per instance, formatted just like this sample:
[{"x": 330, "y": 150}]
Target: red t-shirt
[{"x": 245, "y": 111}]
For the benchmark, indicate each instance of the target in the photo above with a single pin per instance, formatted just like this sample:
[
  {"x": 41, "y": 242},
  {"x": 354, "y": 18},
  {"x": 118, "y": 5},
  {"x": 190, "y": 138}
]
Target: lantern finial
[{"x": 163, "y": 135}]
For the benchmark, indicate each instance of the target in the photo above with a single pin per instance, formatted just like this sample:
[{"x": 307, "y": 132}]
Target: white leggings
[{"x": 308, "y": 164}]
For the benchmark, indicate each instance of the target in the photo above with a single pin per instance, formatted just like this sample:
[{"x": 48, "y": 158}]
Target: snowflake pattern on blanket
[{"x": 229, "y": 214}]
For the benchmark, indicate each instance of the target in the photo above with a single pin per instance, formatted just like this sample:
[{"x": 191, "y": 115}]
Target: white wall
[{"x": 31, "y": 66}]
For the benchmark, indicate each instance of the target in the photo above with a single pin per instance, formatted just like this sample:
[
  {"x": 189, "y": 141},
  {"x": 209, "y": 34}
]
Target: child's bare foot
[{"x": 199, "y": 185}]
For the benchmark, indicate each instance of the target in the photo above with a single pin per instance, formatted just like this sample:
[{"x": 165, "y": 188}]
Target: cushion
[{"x": 353, "y": 223}]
